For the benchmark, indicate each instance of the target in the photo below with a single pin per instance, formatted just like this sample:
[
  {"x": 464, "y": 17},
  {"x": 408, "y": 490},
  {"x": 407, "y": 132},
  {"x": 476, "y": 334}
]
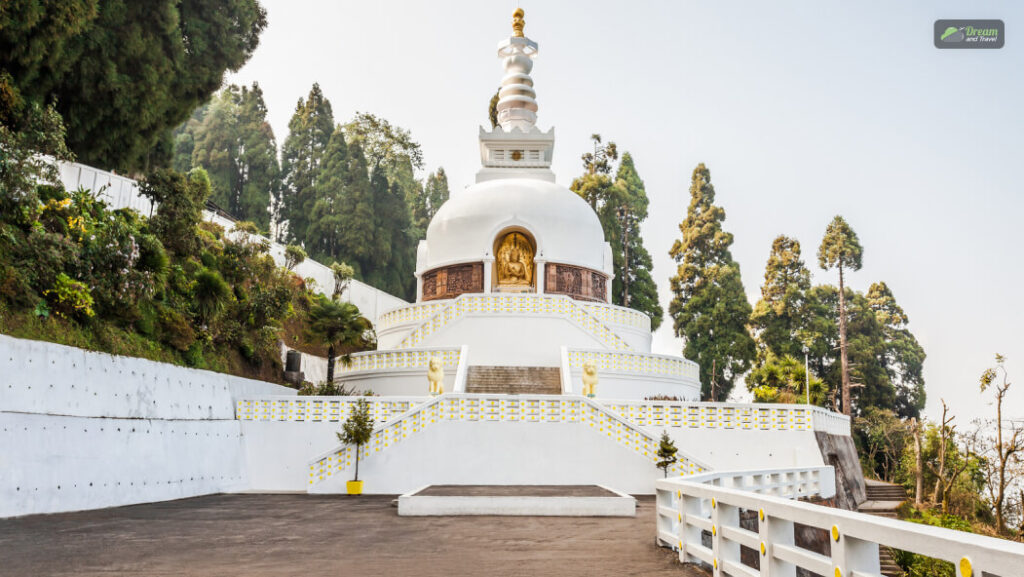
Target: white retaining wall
[{"x": 85, "y": 430}]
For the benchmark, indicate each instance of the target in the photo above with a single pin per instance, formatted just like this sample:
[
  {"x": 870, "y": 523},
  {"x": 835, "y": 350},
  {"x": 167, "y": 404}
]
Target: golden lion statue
[
  {"x": 589, "y": 378},
  {"x": 435, "y": 374}
]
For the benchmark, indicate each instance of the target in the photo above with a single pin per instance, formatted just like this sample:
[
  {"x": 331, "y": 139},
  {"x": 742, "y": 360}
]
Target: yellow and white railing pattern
[
  {"x": 320, "y": 409},
  {"x": 396, "y": 359},
  {"x": 518, "y": 304},
  {"x": 630, "y": 362},
  {"x": 691, "y": 507},
  {"x": 748, "y": 416},
  {"x": 502, "y": 408},
  {"x": 415, "y": 313},
  {"x": 616, "y": 315}
]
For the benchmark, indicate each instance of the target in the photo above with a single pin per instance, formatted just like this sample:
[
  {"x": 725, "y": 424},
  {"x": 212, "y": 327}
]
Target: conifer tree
[
  {"x": 621, "y": 206},
  {"x": 356, "y": 223},
  {"x": 841, "y": 250},
  {"x": 323, "y": 235},
  {"x": 234, "y": 143},
  {"x": 710, "y": 310},
  {"x": 666, "y": 453},
  {"x": 904, "y": 356},
  {"x": 622, "y": 212},
  {"x": 424, "y": 205},
  {"x": 124, "y": 74},
  {"x": 779, "y": 316},
  {"x": 309, "y": 131}
]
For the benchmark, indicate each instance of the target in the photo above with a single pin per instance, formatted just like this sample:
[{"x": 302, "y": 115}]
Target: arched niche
[{"x": 515, "y": 269}]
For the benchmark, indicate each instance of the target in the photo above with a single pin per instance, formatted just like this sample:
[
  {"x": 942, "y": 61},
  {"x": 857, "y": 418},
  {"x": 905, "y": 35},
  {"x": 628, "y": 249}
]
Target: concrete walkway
[{"x": 264, "y": 535}]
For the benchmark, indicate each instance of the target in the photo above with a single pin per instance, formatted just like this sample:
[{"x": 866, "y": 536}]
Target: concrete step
[{"x": 514, "y": 380}]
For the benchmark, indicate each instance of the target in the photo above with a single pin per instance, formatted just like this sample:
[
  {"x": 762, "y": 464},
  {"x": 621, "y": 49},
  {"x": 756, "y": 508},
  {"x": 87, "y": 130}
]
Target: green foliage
[
  {"x": 211, "y": 294},
  {"x": 666, "y": 453},
  {"x": 621, "y": 206},
  {"x": 784, "y": 380},
  {"x": 231, "y": 139},
  {"x": 840, "y": 247},
  {"x": 710, "y": 309},
  {"x": 336, "y": 191},
  {"x": 779, "y": 317},
  {"x": 309, "y": 131},
  {"x": 293, "y": 256},
  {"x": 343, "y": 274},
  {"x": 392, "y": 157},
  {"x": 338, "y": 325},
  {"x": 71, "y": 298},
  {"x": 425, "y": 205},
  {"x": 122, "y": 74},
  {"x": 357, "y": 429},
  {"x": 180, "y": 201},
  {"x": 27, "y": 132},
  {"x": 903, "y": 355}
]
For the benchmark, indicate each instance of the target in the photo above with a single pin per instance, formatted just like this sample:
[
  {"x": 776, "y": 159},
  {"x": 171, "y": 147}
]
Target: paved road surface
[{"x": 272, "y": 535}]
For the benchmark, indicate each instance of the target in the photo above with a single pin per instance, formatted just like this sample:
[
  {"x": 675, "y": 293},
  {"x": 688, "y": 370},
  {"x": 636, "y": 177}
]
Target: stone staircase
[
  {"x": 882, "y": 500},
  {"x": 514, "y": 380}
]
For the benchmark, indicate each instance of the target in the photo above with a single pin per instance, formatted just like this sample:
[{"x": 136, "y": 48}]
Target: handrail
[
  {"x": 764, "y": 416},
  {"x": 689, "y": 507},
  {"x": 498, "y": 407},
  {"x": 479, "y": 303}
]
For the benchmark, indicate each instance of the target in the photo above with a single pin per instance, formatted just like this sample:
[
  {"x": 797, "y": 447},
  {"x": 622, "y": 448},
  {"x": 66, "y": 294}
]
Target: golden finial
[{"x": 518, "y": 22}]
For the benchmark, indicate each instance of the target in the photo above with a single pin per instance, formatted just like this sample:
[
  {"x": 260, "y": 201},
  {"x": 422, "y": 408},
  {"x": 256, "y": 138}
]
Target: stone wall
[{"x": 841, "y": 452}]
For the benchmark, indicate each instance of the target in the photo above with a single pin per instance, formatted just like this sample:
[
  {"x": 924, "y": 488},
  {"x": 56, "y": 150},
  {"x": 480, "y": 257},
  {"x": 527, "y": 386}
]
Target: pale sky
[{"x": 801, "y": 110}]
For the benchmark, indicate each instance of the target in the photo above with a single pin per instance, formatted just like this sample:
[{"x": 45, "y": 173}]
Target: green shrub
[
  {"x": 176, "y": 330},
  {"x": 71, "y": 298}
]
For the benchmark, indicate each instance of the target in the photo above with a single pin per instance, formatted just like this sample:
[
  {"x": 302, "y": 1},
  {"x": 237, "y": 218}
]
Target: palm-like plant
[{"x": 338, "y": 325}]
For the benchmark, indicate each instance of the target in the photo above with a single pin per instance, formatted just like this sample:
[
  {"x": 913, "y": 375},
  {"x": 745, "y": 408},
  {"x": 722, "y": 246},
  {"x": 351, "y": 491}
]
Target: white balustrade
[
  {"x": 711, "y": 503},
  {"x": 631, "y": 362},
  {"x": 320, "y": 409},
  {"x": 518, "y": 304},
  {"x": 505, "y": 408},
  {"x": 752, "y": 416},
  {"x": 398, "y": 359}
]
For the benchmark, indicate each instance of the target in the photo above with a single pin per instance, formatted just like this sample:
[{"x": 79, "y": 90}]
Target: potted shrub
[{"x": 357, "y": 431}]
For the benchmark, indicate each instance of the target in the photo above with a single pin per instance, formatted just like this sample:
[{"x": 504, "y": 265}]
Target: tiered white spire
[
  {"x": 516, "y": 148},
  {"x": 517, "y": 100}
]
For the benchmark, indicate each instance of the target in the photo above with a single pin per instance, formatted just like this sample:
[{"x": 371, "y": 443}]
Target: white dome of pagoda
[{"x": 563, "y": 226}]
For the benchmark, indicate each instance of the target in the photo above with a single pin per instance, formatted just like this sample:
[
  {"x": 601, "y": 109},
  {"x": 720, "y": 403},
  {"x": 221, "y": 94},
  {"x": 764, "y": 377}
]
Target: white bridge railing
[{"x": 690, "y": 508}]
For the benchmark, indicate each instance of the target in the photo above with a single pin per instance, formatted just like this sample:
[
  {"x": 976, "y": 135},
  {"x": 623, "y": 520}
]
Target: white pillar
[
  {"x": 419, "y": 287},
  {"x": 539, "y": 276},
  {"x": 488, "y": 272}
]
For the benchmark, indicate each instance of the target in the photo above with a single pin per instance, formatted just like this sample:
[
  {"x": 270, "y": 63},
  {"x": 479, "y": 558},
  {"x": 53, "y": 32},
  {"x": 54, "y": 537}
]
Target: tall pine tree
[
  {"x": 841, "y": 250},
  {"x": 357, "y": 225},
  {"x": 623, "y": 211},
  {"x": 424, "y": 205},
  {"x": 779, "y": 316},
  {"x": 621, "y": 206},
  {"x": 234, "y": 143},
  {"x": 904, "y": 356},
  {"x": 309, "y": 131},
  {"x": 324, "y": 233},
  {"x": 710, "y": 310}
]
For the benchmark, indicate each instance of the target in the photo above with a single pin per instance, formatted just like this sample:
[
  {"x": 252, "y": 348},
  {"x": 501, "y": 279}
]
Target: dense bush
[{"x": 170, "y": 287}]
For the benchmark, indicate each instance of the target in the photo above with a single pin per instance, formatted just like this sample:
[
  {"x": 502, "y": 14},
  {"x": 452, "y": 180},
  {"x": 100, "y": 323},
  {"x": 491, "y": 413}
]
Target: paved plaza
[{"x": 263, "y": 535}]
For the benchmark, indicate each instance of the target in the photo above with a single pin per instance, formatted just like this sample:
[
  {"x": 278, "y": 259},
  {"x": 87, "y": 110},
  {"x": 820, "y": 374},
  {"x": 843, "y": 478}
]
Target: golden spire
[{"x": 518, "y": 22}]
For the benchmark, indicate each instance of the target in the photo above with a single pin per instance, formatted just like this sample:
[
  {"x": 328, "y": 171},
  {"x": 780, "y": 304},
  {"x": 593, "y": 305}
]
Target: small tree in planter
[
  {"x": 666, "y": 453},
  {"x": 357, "y": 431}
]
